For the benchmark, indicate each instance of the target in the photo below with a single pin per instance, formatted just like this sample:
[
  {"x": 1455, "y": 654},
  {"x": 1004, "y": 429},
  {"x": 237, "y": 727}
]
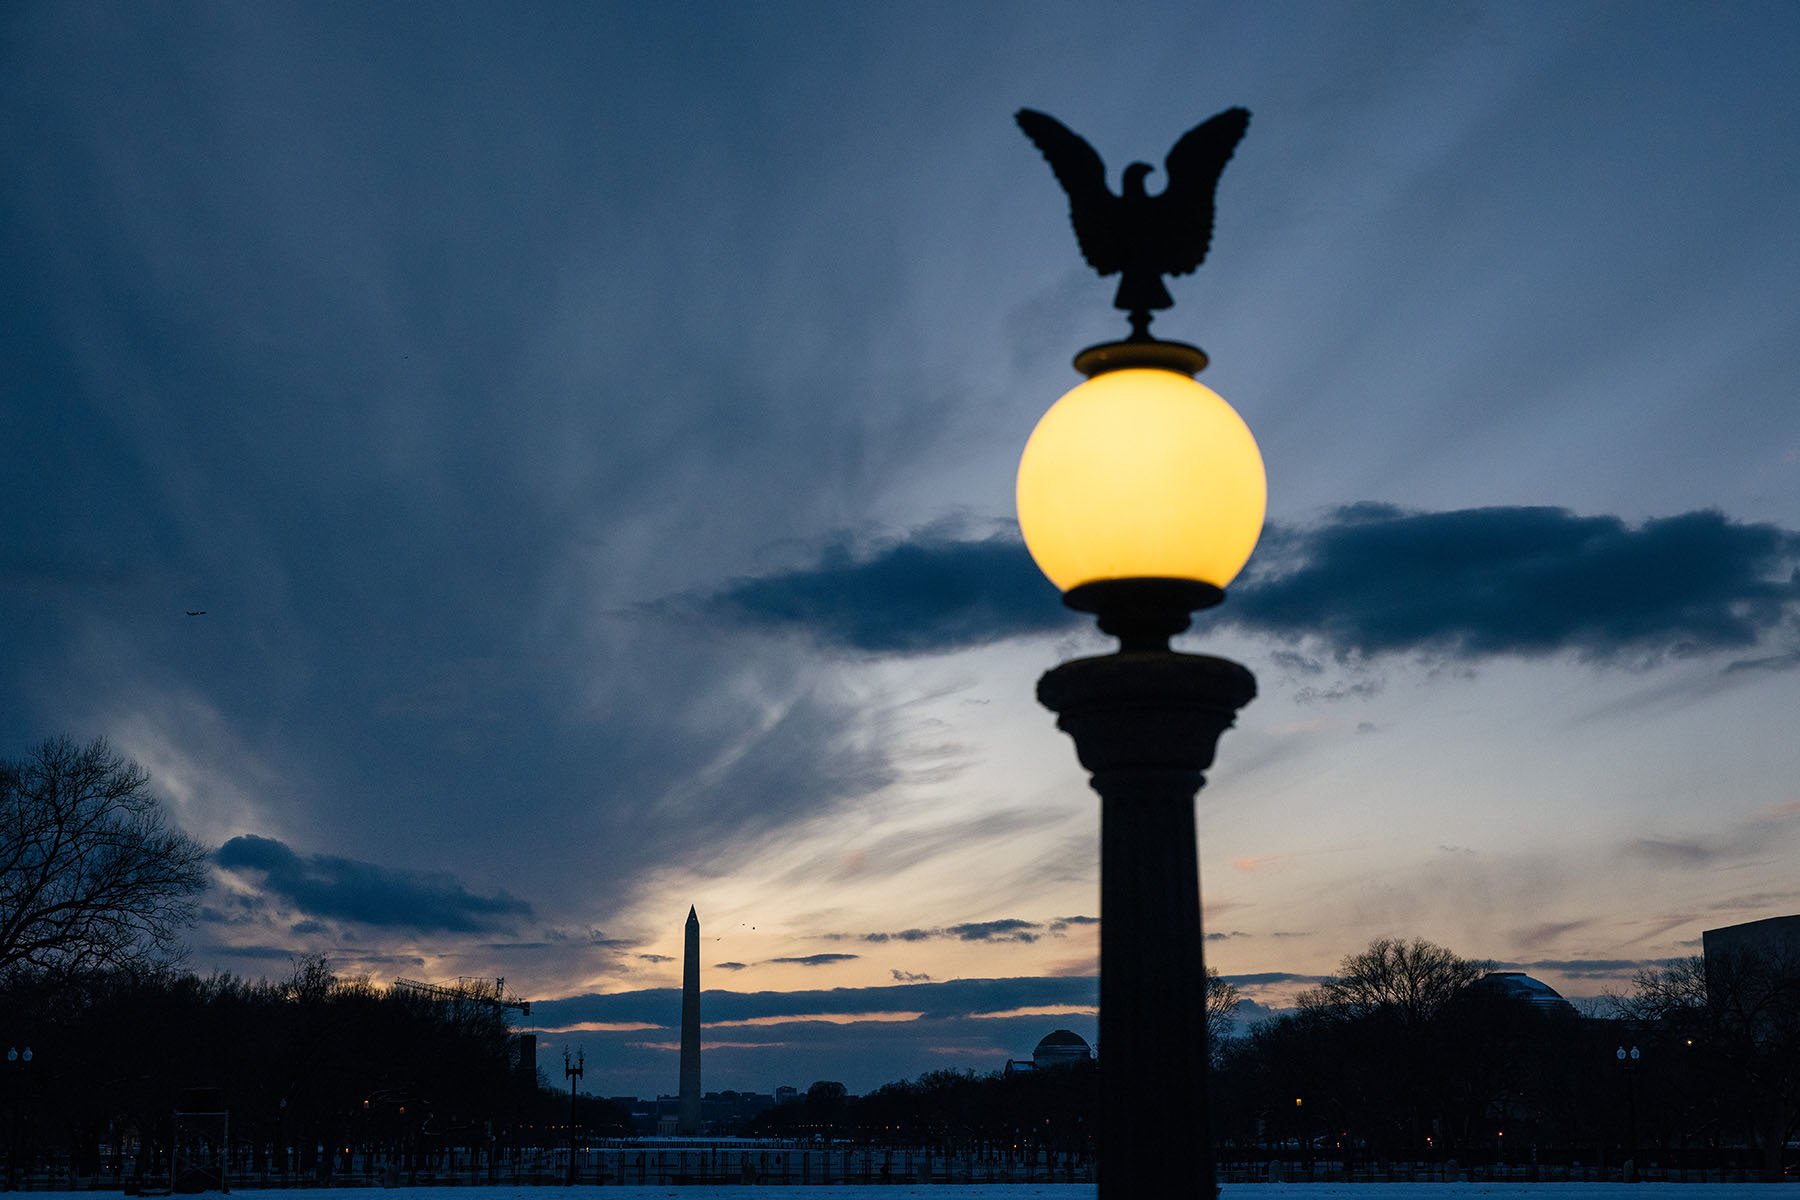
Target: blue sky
[{"x": 590, "y": 432}]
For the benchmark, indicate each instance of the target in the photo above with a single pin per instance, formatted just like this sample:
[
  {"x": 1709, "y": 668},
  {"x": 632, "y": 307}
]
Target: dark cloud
[
  {"x": 1600, "y": 967},
  {"x": 1373, "y": 579},
  {"x": 908, "y": 976},
  {"x": 905, "y": 935},
  {"x": 815, "y": 960},
  {"x": 1368, "y": 579},
  {"x": 730, "y": 966},
  {"x": 1224, "y": 936},
  {"x": 657, "y": 958},
  {"x": 930, "y": 594},
  {"x": 272, "y": 952},
  {"x": 1271, "y": 977},
  {"x": 346, "y": 889},
  {"x": 1006, "y": 929}
]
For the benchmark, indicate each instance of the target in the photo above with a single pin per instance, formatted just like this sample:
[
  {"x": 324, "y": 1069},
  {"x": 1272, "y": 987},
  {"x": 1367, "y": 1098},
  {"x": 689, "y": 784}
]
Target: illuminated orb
[{"x": 1141, "y": 473}]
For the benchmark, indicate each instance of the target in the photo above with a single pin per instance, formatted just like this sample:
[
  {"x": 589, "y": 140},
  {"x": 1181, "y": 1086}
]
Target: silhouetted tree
[
  {"x": 92, "y": 873},
  {"x": 1739, "y": 1012},
  {"x": 1404, "y": 982},
  {"x": 1222, "y": 1001},
  {"x": 1385, "y": 1049}
]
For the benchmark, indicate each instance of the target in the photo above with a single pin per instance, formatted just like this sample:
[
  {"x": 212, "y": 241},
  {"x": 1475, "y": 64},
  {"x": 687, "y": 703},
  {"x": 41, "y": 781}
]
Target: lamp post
[
  {"x": 573, "y": 1071},
  {"x": 16, "y": 1061},
  {"x": 1628, "y": 1061},
  {"x": 1141, "y": 495}
]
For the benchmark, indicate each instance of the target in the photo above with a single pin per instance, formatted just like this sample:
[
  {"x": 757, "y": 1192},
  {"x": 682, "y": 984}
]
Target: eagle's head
[{"x": 1133, "y": 182}]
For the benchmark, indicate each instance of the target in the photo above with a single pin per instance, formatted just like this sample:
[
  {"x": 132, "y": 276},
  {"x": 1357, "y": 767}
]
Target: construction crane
[{"x": 469, "y": 990}]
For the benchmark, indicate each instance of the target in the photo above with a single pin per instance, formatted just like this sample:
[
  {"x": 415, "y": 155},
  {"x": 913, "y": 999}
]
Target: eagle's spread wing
[
  {"x": 1093, "y": 210},
  {"x": 1185, "y": 207}
]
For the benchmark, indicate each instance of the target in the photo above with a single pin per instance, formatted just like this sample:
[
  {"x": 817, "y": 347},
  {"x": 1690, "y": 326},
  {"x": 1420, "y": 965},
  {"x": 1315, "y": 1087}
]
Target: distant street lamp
[
  {"x": 1628, "y": 1061},
  {"x": 16, "y": 1061},
  {"x": 1141, "y": 494},
  {"x": 573, "y": 1071}
]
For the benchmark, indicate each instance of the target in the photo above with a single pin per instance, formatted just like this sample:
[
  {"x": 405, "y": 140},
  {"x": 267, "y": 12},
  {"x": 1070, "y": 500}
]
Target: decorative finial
[{"x": 1137, "y": 236}]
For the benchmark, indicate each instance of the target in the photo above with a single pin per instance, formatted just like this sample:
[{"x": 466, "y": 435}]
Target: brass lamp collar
[{"x": 1178, "y": 357}]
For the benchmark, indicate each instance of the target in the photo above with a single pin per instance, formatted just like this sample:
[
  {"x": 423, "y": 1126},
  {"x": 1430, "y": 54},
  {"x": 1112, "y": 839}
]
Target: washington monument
[{"x": 688, "y": 1121}]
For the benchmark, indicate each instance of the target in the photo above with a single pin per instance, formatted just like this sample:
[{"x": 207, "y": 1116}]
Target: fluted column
[{"x": 1145, "y": 725}]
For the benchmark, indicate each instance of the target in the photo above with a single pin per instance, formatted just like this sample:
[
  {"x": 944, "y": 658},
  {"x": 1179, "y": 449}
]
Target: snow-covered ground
[{"x": 1046, "y": 1191}]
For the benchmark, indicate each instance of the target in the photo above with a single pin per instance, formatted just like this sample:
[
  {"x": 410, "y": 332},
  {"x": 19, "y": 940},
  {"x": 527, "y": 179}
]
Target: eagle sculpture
[{"x": 1139, "y": 236}]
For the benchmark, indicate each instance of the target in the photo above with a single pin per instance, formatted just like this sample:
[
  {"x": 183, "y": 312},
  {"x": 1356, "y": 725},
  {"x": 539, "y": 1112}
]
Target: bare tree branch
[{"x": 92, "y": 872}]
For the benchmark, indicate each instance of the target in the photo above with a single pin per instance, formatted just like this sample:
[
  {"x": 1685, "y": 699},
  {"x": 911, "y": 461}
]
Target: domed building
[
  {"x": 1520, "y": 986},
  {"x": 1061, "y": 1048}
]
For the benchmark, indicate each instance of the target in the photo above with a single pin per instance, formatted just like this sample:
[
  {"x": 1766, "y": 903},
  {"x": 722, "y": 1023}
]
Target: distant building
[
  {"x": 525, "y": 1054},
  {"x": 1520, "y": 986},
  {"x": 1061, "y": 1048},
  {"x": 1753, "y": 971},
  {"x": 1777, "y": 938}
]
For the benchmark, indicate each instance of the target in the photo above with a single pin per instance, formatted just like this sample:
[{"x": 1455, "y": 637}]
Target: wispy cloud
[{"x": 1671, "y": 852}]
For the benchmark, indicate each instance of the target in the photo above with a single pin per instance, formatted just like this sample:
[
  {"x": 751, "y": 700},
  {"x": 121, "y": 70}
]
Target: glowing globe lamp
[{"x": 1141, "y": 488}]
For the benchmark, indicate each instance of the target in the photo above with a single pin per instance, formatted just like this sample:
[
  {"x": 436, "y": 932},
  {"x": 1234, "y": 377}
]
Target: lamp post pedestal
[{"x": 1145, "y": 725}]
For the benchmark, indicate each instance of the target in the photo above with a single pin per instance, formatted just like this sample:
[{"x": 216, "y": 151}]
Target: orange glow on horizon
[
  {"x": 1040, "y": 1010},
  {"x": 598, "y": 1027},
  {"x": 825, "y": 1018}
]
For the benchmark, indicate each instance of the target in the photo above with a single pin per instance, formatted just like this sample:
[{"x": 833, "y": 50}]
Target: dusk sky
[{"x": 589, "y": 430}]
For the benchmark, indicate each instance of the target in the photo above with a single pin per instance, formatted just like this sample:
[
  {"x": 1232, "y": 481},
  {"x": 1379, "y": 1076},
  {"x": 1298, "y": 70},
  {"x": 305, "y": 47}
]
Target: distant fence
[
  {"x": 692, "y": 1163},
  {"x": 1324, "y": 1171},
  {"x": 802, "y": 1163}
]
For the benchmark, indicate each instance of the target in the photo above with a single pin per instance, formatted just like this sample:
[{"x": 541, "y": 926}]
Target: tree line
[
  {"x": 1410, "y": 1053},
  {"x": 317, "y": 1071},
  {"x": 1406, "y": 1053}
]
